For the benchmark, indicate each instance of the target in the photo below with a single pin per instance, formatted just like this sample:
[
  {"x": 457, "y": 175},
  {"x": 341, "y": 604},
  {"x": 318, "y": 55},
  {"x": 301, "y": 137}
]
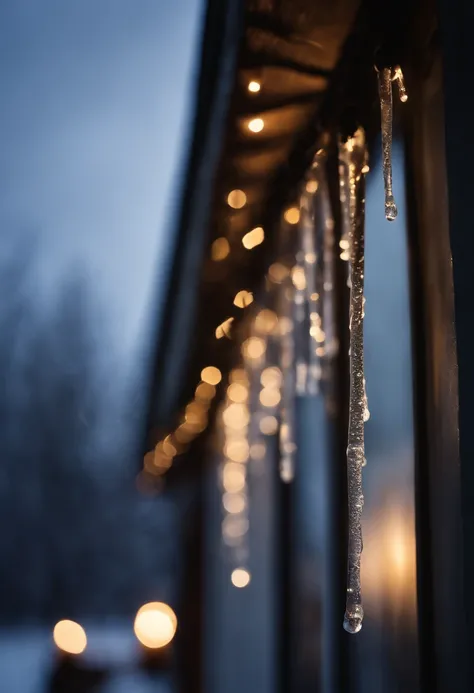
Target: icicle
[
  {"x": 357, "y": 407},
  {"x": 386, "y": 110}
]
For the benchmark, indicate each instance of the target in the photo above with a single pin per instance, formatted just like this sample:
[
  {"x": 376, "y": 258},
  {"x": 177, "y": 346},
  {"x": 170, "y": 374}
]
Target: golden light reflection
[
  {"x": 389, "y": 565},
  {"x": 224, "y": 329},
  {"x": 220, "y": 249},
  {"x": 256, "y": 125},
  {"x": 240, "y": 577},
  {"x": 70, "y": 637},
  {"x": 155, "y": 625},
  {"x": 236, "y": 199},
  {"x": 254, "y": 86},
  {"x": 243, "y": 299},
  {"x": 211, "y": 375},
  {"x": 312, "y": 186},
  {"x": 292, "y": 215},
  {"x": 253, "y": 238}
]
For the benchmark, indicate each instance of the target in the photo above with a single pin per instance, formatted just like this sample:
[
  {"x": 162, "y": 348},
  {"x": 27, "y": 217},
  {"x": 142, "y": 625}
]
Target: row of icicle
[{"x": 297, "y": 346}]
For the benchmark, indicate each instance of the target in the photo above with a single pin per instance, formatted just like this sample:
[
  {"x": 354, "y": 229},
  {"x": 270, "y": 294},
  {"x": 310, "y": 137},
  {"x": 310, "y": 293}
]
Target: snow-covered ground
[{"x": 27, "y": 658}]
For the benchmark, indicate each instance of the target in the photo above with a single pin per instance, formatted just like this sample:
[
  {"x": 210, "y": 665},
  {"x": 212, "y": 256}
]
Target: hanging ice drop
[{"x": 386, "y": 112}]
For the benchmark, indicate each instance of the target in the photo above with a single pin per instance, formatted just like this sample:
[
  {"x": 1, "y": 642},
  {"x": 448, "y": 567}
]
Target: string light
[
  {"x": 211, "y": 375},
  {"x": 253, "y": 238},
  {"x": 234, "y": 503},
  {"x": 223, "y": 330},
  {"x": 237, "y": 392},
  {"x": 269, "y": 397},
  {"x": 254, "y": 86},
  {"x": 243, "y": 299},
  {"x": 240, "y": 577},
  {"x": 236, "y": 199},
  {"x": 253, "y": 348},
  {"x": 220, "y": 249},
  {"x": 266, "y": 321},
  {"x": 233, "y": 477},
  {"x": 278, "y": 272},
  {"x": 70, "y": 637},
  {"x": 292, "y": 215},
  {"x": 268, "y": 425},
  {"x": 155, "y": 625},
  {"x": 256, "y": 125}
]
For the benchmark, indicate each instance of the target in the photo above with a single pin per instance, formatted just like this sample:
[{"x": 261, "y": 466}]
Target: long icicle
[
  {"x": 355, "y": 448},
  {"x": 386, "y": 112}
]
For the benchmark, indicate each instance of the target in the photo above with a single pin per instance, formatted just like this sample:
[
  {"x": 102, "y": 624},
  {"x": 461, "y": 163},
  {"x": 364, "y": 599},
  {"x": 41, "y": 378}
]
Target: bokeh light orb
[
  {"x": 70, "y": 637},
  {"x": 155, "y": 625}
]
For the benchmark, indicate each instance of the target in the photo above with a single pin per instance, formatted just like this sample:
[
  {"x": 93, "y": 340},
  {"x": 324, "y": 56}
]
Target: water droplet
[
  {"x": 353, "y": 619},
  {"x": 391, "y": 211}
]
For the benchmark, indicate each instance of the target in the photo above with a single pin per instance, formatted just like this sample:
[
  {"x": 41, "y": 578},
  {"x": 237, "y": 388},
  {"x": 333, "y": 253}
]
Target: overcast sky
[{"x": 94, "y": 118}]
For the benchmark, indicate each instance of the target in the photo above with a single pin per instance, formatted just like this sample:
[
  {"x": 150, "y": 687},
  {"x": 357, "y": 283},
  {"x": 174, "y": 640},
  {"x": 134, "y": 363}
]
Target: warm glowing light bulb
[
  {"x": 233, "y": 477},
  {"x": 155, "y": 625},
  {"x": 237, "y": 450},
  {"x": 211, "y": 375},
  {"x": 234, "y": 503},
  {"x": 205, "y": 392},
  {"x": 240, "y": 577},
  {"x": 70, "y": 637},
  {"x": 254, "y": 347},
  {"x": 253, "y": 238},
  {"x": 254, "y": 86},
  {"x": 236, "y": 415},
  {"x": 236, "y": 199},
  {"x": 220, "y": 249},
  {"x": 223, "y": 330},
  {"x": 269, "y": 397},
  {"x": 298, "y": 277},
  {"x": 271, "y": 377},
  {"x": 237, "y": 392},
  {"x": 256, "y": 125},
  {"x": 243, "y": 299},
  {"x": 278, "y": 272},
  {"x": 266, "y": 321},
  {"x": 292, "y": 215},
  {"x": 268, "y": 425}
]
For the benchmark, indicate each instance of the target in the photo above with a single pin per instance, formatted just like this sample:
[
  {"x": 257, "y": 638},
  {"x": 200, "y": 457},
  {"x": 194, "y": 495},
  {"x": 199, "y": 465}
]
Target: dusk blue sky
[{"x": 95, "y": 116}]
